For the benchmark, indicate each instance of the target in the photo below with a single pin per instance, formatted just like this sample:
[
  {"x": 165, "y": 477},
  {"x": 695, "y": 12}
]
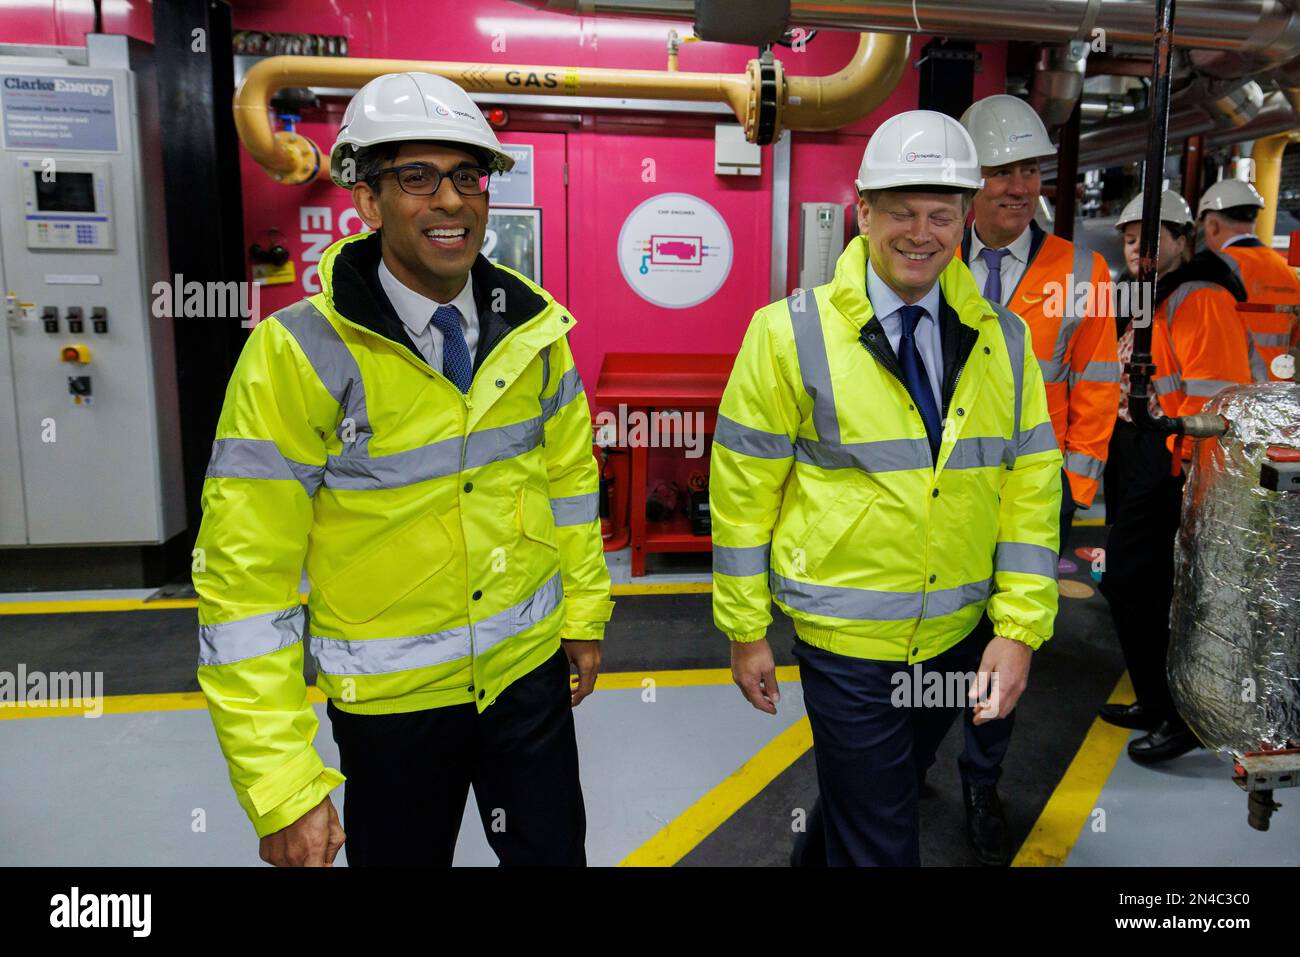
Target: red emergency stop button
[{"x": 75, "y": 353}]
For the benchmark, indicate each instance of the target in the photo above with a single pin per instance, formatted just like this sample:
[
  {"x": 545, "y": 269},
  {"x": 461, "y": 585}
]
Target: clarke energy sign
[{"x": 58, "y": 113}]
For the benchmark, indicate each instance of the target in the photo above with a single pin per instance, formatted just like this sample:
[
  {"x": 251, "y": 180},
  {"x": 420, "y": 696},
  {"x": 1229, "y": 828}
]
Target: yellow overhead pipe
[
  {"x": 761, "y": 97},
  {"x": 1267, "y": 154}
]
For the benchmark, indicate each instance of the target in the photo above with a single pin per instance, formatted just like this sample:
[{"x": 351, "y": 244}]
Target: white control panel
[{"x": 67, "y": 203}]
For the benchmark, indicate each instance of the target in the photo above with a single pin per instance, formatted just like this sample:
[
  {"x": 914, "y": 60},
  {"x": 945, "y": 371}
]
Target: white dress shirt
[
  {"x": 886, "y": 304},
  {"x": 1013, "y": 266},
  {"x": 415, "y": 310},
  {"x": 1237, "y": 238}
]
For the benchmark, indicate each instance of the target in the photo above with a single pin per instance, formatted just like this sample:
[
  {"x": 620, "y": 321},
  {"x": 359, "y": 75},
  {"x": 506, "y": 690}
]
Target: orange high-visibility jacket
[
  {"x": 1269, "y": 282},
  {"x": 1198, "y": 344},
  {"x": 1072, "y": 325}
]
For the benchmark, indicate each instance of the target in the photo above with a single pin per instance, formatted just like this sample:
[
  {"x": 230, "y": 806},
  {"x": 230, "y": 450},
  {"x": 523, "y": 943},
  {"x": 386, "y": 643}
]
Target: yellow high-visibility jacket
[
  {"x": 450, "y": 540},
  {"x": 824, "y": 497}
]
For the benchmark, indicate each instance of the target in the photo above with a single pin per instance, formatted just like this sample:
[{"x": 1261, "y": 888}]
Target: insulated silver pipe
[{"x": 1267, "y": 27}]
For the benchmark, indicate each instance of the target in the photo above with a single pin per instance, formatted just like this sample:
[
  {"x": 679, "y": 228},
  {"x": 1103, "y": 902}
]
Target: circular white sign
[
  {"x": 1283, "y": 366},
  {"x": 675, "y": 250}
]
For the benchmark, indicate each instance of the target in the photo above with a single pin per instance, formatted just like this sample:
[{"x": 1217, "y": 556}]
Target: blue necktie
[
  {"x": 916, "y": 378},
  {"x": 993, "y": 285},
  {"x": 456, "y": 363}
]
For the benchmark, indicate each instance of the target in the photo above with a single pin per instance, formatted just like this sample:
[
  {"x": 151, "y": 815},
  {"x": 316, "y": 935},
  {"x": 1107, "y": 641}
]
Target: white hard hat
[
  {"x": 1173, "y": 209},
  {"x": 1006, "y": 129},
  {"x": 919, "y": 148},
  {"x": 413, "y": 106},
  {"x": 1226, "y": 194}
]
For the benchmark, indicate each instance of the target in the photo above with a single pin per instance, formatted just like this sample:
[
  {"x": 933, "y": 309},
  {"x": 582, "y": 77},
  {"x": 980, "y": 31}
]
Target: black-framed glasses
[{"x": 421, "y": 179}]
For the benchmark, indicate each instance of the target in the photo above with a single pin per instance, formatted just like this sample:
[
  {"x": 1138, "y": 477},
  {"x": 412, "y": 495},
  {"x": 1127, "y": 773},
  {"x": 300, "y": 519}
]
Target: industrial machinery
[{"x": 88, "y": 392}]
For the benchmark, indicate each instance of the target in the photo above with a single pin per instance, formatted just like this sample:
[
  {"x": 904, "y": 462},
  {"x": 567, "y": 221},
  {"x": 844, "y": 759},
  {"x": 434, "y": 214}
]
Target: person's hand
[
  {"x": 754, "y": 672},
  {"x": 311, "y": 841},
  {"x": 1003, "y": 675},
  {"x": 585, "y": 656}
]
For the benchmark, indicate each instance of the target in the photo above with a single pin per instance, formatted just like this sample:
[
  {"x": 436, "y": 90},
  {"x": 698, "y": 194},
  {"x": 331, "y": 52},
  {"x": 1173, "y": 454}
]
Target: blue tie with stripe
[
  {"x": 456, "y": 363},
  {"x": 916, "y": 378},
  {"x": 993, "y": 284}
]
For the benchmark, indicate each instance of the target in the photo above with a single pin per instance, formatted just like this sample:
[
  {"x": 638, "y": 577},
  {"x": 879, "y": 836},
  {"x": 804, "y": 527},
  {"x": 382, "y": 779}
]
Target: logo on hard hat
[
  {"x": 912, "y": 157},
  {"x": 441, "y": 110},
  {"x": 1015, "y": 138}
]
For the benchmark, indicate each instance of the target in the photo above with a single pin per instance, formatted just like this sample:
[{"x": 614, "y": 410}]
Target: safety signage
[{"x": 675, "y": 250}]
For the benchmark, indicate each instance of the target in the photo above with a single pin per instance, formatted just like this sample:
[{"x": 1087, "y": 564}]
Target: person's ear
[
  {"x": 863, "y": 209},
  {"x": 366, "y": 202}
]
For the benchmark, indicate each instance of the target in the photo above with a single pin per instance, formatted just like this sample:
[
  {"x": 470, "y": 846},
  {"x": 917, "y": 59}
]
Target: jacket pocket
[
  {"x": 534, "y": 517},
  {"x": 390, "y": 570},
  {"x": 838, "y": 516}
]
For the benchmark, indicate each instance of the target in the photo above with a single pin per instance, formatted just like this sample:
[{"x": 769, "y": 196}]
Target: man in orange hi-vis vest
[
  {"x": 1064, "y": 293},
  {"x": 1228, "y": 211}
]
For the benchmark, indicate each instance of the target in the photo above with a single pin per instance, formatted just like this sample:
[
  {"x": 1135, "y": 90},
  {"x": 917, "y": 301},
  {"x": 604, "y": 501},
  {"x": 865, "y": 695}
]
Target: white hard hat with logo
[
  {"x": 1226, "y": 194},
  {"x": 1173, "y": 209},
  {"x": 919, "y": 148},
  {"x": 397, "y": 107},
  {"x": 1006, "y": 130}
]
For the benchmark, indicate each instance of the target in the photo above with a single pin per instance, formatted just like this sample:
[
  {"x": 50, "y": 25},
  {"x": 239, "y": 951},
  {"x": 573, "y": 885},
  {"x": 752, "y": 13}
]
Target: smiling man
[
  {"x": 416, "y": 436},
  {"x": 1039, "y": 277},
  {"x": 884, "y": 469}
]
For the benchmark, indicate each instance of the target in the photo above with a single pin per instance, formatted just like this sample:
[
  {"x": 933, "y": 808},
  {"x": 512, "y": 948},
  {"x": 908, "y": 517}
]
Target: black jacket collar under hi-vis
[{"x": 502, "y": 301}]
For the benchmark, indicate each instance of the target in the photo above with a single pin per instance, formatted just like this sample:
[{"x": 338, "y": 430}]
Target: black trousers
[
  {"x": 871, "y": 753},
  {"x": 987, "y": 744},
  {"x": 409, "y": 776},
  {"x": 1143, "y": 504}
]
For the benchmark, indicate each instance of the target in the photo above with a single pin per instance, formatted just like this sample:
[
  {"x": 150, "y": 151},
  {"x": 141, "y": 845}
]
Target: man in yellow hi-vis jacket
[
  {"x": 885, "y": 470},
  {"x": 416, "y": 436}
]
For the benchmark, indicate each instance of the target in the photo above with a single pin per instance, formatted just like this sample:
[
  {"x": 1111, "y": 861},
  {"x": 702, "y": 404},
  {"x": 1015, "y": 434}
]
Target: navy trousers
[
  {"x": 871, "y": 753},
  {"x": 986, "y": 744},
  {"x": 409, "y": 776}
]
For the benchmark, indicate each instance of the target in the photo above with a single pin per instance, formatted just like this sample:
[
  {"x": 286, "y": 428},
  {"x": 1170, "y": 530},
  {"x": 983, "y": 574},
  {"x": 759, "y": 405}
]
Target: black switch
[
  {"x": 75, "y": 322},
  {"x": 99, "y": 319},
  {"x": 50, "y": 317},
  {"x": 79, "y": 385}
]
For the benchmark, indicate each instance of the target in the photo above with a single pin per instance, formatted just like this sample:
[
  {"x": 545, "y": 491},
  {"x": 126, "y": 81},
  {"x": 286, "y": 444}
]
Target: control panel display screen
[{"x": 65, "y": 193}]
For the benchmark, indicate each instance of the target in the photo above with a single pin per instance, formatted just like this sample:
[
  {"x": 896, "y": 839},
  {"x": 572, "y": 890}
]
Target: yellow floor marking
[
  {"x": 1073, "y": 589},
  {"x": 1075, "y": 797},
  {"x": 77, "y": 605},
  {"x": 194, "y": 700},
  {"x": 684, "y": 832},
  {"x": 1089, "y": 521}
]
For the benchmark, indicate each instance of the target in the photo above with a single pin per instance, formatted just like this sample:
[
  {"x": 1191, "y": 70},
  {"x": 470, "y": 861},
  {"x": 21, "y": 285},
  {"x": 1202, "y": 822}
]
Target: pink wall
[{"x": 604, "y": 153}]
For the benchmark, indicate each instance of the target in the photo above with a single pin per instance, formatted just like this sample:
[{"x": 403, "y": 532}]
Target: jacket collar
[
  {"x": 349, "y": 276},
  {"x": 848, "y": 289},
  {"x": 1205, "y": 266}
]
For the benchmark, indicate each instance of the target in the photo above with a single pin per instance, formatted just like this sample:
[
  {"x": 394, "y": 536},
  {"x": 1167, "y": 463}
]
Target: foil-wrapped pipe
[{"x": 1234, "y": 653}]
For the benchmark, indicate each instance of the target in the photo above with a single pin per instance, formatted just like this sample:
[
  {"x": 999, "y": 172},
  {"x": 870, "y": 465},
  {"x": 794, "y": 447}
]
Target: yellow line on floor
[
  {"x": 1089, "y": 521},
  {"x": 77, "y": 605},
  {"x": 684, "y": 832},
  {"x": 1072, "y": 802},
  {"x": 194, "y": 700}
]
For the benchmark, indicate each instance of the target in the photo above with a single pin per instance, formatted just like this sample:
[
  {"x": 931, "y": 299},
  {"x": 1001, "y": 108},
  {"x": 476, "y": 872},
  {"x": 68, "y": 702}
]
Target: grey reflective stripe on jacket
[
  {"x": 374, "y": 656},
  {"x": 741, "y": 561},
  {"x": 251, "y": 637},
  {"x": 336, "y": 368},
  {"x": 1025, "y": 559},
  {"x": 260, "y": 459},
  {"x": 864, "y": 604},
  {"x": 576, "y": 509}
]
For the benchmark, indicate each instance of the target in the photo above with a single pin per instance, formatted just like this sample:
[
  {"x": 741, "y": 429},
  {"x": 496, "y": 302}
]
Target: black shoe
[
  {"x": 1128, "y": 716},
  {"x": 986, "y": 825},
  {"x": 1168, "y": 740}
]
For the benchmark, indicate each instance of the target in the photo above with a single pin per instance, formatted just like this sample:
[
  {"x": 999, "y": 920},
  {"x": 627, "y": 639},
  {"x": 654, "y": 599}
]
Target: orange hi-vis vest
[
  {"x": 1066, "y": 297},
  {"x": 1273, "y": 296}
]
